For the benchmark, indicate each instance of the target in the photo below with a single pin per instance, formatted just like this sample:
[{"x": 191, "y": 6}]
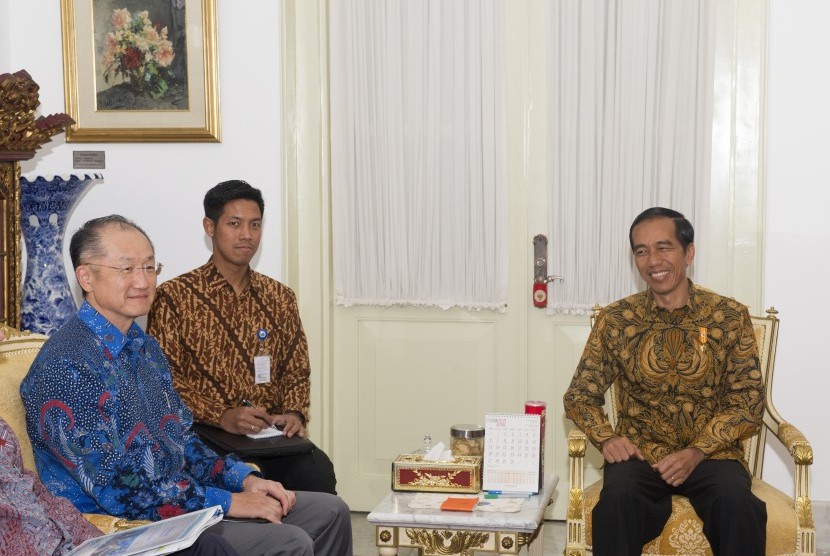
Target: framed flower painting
[{"x": 141, "y": 70}]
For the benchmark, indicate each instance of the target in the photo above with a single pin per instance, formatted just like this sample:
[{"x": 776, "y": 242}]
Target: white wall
[
  {"x": 161, "y": 185},
  {"x": 4, "y": 36},
  {"x": 798, "y": 227}
]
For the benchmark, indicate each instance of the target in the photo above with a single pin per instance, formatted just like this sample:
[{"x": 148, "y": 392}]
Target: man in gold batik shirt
[
  {"x": 215, "y": 322},
  {"x": 685, "y": 363}
]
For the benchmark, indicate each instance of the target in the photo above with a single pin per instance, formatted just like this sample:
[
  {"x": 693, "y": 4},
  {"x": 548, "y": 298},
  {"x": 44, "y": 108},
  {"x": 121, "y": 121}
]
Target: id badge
[{"x": 262, "y": 369}]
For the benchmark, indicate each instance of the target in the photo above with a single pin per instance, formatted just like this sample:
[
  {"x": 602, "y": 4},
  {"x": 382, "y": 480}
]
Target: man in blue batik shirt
[{"x": 110, "y": 433}]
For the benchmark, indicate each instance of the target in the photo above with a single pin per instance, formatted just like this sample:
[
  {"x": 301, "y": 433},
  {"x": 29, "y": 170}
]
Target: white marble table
[{"x": 441, "y": 532}]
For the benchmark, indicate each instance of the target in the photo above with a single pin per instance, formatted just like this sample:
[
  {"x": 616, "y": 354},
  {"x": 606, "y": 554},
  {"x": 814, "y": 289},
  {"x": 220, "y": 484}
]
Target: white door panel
[
  {"x": 403, "y": 373},
  {"x": 382, "y": 378},
  {"x": 551, "y": 364}
]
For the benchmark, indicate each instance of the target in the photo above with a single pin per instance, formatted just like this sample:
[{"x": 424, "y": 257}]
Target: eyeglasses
[{"x": 147, "y": 270}]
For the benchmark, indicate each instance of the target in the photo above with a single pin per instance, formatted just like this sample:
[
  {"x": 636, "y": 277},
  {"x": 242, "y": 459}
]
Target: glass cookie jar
[{"x": 467, "y": 440}]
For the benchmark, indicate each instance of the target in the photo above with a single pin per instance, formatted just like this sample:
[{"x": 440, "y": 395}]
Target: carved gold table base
[
  {"x": 434, "y": 532},
  {"x": 456, "y": 541}
]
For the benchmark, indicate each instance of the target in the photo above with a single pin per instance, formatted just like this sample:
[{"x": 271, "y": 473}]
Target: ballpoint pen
[{"x": 247, "y": 403}]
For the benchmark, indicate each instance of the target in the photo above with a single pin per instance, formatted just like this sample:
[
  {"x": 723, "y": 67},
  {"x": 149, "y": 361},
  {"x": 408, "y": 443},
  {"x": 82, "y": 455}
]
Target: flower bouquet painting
[
  {"x": 141, "y": 70},
  {"x": 141, "y": 55}
]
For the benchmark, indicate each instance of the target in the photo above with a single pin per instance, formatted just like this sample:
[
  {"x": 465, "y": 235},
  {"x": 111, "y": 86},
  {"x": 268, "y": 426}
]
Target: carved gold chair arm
[
  {"x": 112, "y": 524},
  {"x": 802, "y": 453},
  {"x": 577, "y": 442},
  {"x": 11, "y": 332},
  {"x": 256, "y": 467},
  {"x": 575, "y": 536},
  {"x": 796, "y": 443}
]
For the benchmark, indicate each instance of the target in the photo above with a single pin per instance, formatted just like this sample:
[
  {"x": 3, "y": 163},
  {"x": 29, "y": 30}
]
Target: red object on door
[
  {"x": 540, "y": 408},
  {"x": 540, "y": 294}
]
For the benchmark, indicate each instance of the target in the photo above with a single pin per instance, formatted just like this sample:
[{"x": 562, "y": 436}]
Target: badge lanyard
[{"x": 262, "y": 361}]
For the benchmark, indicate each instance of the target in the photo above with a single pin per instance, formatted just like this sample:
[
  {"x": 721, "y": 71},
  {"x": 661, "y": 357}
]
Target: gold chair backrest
[
  {"x": 16, "y": 355},
  {"x": 766, "y": 339}
]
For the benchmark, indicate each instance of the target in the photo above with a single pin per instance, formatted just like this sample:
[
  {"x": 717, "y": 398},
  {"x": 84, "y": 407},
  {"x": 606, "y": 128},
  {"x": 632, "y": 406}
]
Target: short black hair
[
  {"x": 683, "y": 229},
  {"x": 86, "y": 242},
  {"x": 224, "y": 192}
]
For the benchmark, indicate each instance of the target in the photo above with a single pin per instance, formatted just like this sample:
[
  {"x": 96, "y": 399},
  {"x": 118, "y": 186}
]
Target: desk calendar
[{"x": 511, "y": 452}]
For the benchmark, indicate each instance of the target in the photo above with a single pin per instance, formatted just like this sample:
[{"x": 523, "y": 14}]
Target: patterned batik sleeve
[
  {"x": 742, "y": 393},
  {"x": 202, "y": 463},
  {"x": 293, "y": 366},
  {"x": 164, "y": 325},
  {"x": 226, "y": 472},
  {"x": 585, "y": 396},
  {"x": 126, "y": 474}
]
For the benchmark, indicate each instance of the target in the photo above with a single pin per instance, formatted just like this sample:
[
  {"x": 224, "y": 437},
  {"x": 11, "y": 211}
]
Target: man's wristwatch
[{"x": 298, "y": 414}]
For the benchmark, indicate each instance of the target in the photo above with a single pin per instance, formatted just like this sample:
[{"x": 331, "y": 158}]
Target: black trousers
[
  {"x": 312, "y": 471},
  {"x": 635, "y": 504}
]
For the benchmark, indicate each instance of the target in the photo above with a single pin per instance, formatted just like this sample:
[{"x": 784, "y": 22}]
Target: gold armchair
[
  {"x": 790, "y": 527},
  {"x": 16, "y": 355}
]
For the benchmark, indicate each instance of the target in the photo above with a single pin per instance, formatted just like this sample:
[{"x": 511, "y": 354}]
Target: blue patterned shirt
[{"x": 109, "y": 431}]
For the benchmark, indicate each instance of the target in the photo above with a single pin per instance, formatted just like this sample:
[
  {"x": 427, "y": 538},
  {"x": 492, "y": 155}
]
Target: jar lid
[{"x": 467, "y": 431}]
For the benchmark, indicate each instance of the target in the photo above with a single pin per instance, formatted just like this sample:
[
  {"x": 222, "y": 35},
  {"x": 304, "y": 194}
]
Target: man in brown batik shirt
[
  {"x": 218, "y": 321},
  {"x": 689, "y": 386}
]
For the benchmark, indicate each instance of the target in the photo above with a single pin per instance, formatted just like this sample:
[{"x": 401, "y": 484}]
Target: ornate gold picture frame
[
  {"x": 141, "y": 70},
  {"x": 10, "y": 251}
]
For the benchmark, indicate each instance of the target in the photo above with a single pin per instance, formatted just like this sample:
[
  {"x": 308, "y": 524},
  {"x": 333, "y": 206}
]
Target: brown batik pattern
[
  {"x": 209, "y": 335},
  {"x": 676, "y": 387}
]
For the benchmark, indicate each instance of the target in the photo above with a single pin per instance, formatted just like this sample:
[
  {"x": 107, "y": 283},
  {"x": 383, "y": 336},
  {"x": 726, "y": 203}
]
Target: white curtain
[
  {"x": 630, "y": 95},
  {"x": 418, "y": 147}
]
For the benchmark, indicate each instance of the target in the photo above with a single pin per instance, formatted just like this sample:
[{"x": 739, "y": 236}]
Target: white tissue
[{"x": 439, "y": 452}]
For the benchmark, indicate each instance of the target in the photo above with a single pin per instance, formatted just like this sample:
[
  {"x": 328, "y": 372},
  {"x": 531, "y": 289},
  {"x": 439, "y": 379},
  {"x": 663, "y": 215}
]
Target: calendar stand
[
  {"x": 512, "y": 453},
  {"x": 443, "y": 532}
]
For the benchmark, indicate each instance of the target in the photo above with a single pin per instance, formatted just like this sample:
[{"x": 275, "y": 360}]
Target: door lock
[{"x": 540, "y": 271}]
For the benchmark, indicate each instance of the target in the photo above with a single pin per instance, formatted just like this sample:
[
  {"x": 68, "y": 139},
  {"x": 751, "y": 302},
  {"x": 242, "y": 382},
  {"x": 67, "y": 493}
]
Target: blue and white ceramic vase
[{"x": 45, "y": 206}]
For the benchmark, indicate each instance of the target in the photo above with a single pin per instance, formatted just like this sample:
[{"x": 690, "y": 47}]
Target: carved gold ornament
[
  {"x": 10, "y": 240},
  {"x": 796, "y": 443},
  {"x": 803, "y": 454},
  {"x": 459, "y": 474},
  {"x": 418, "y": 458},
  {"x": 575, "y": 504},
  {"x": 448, "y": 542},
  {"x": 804, "y": 511},
  {"x": 576, "y": 446},
  {"x": 430, "y": 480},
  {"x": 20, "y": 130}
]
